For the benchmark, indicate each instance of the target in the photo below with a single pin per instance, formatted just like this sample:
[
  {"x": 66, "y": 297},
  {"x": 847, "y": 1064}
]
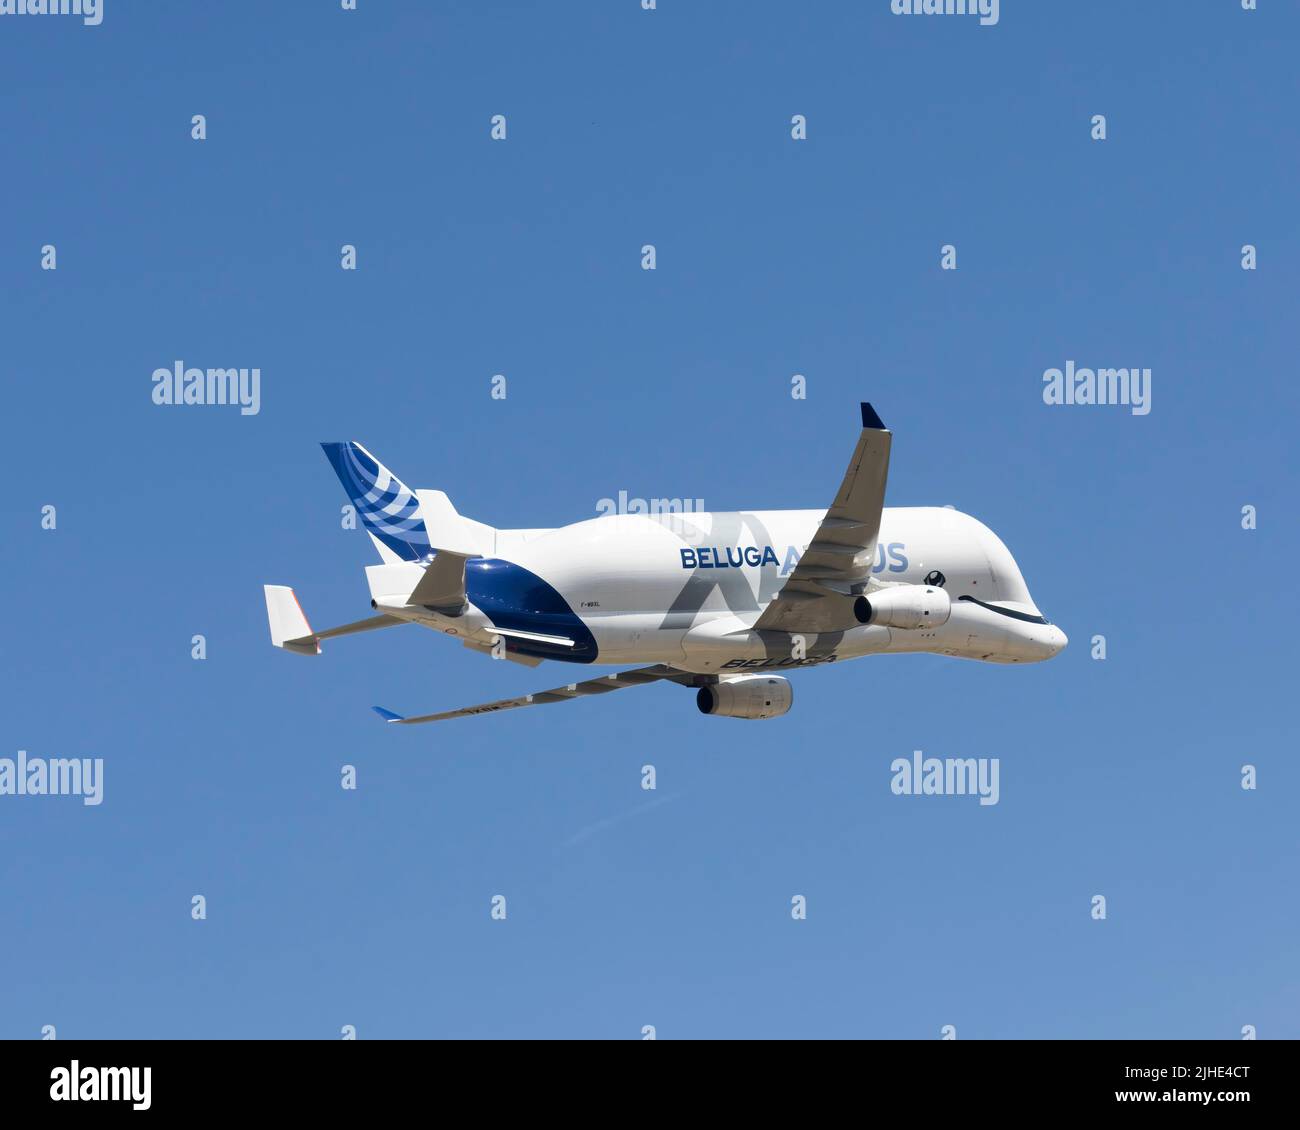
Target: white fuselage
[{"x": 686, "y": 588}]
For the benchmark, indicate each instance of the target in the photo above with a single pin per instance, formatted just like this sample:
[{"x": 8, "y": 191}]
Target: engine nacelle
[
  {"x": 747, "y": 696},
  {"x": 905, "y": 606}
]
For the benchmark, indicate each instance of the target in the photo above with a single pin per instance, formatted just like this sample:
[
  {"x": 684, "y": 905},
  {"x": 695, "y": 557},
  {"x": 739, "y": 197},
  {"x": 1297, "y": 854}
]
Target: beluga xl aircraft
[{"x": 721, "y": 602}]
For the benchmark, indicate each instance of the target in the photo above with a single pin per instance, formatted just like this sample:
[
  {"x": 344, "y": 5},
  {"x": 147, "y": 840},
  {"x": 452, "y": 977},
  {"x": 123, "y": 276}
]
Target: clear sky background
[{"x": 625, "y": 127}]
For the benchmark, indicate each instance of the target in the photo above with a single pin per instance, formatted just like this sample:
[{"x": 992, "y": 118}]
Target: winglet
[
  {"x": 387, "y": 715},
  {"x": 870, "y": 419},
  {"x": 289, "y": 627}
]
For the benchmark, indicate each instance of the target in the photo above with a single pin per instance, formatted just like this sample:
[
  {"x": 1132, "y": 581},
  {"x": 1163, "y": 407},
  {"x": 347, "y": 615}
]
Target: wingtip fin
[
  {"x": 288, "y": 622},
  {"x": 871, "y": 419},
  {"x": 387, "y": 715}
]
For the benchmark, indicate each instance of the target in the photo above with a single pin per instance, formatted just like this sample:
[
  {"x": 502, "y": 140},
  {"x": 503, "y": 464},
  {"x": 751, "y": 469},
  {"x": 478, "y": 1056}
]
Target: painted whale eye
[{"x": 934, "y": 577}]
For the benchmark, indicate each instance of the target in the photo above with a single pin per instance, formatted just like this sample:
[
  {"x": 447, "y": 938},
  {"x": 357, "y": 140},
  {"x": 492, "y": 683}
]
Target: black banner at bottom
[{"x": 339, "y": 1078}]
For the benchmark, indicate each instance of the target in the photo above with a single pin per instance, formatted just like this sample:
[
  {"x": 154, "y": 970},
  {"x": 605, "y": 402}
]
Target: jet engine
[
  {"x": 747, "y": 696},
  {"x": 905, "y": 606}
]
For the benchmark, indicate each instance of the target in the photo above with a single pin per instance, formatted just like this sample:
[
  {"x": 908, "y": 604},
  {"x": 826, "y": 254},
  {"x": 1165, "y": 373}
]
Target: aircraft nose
[{"x": 1056, "y": 639}]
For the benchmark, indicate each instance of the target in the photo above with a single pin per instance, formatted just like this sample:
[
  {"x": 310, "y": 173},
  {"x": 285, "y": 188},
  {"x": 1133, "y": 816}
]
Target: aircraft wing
[
  {"x": 619, "y": 680},
  {"x": 835, "y": 568}
]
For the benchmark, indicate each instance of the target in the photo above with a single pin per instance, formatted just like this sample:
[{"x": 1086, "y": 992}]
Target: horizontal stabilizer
[{"x": 290, "y": 630}]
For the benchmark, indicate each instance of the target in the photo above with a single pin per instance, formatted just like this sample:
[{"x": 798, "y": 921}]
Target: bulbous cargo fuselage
[{"x": 686, "y": 589}]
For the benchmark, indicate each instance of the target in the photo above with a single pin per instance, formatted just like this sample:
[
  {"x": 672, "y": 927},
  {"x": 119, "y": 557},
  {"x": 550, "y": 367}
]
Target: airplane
[{"x": 725, "y": 603}]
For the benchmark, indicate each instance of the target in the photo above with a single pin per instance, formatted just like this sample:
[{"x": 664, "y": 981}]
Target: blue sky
[{"x": 625, "y": 127}]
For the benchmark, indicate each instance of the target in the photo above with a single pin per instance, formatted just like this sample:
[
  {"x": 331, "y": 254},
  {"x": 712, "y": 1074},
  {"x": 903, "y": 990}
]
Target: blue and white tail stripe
[{"x": 388, "y": 508}]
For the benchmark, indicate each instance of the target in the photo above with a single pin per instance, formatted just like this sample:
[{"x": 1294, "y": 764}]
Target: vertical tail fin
[{"x": 389, "y": 509}]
